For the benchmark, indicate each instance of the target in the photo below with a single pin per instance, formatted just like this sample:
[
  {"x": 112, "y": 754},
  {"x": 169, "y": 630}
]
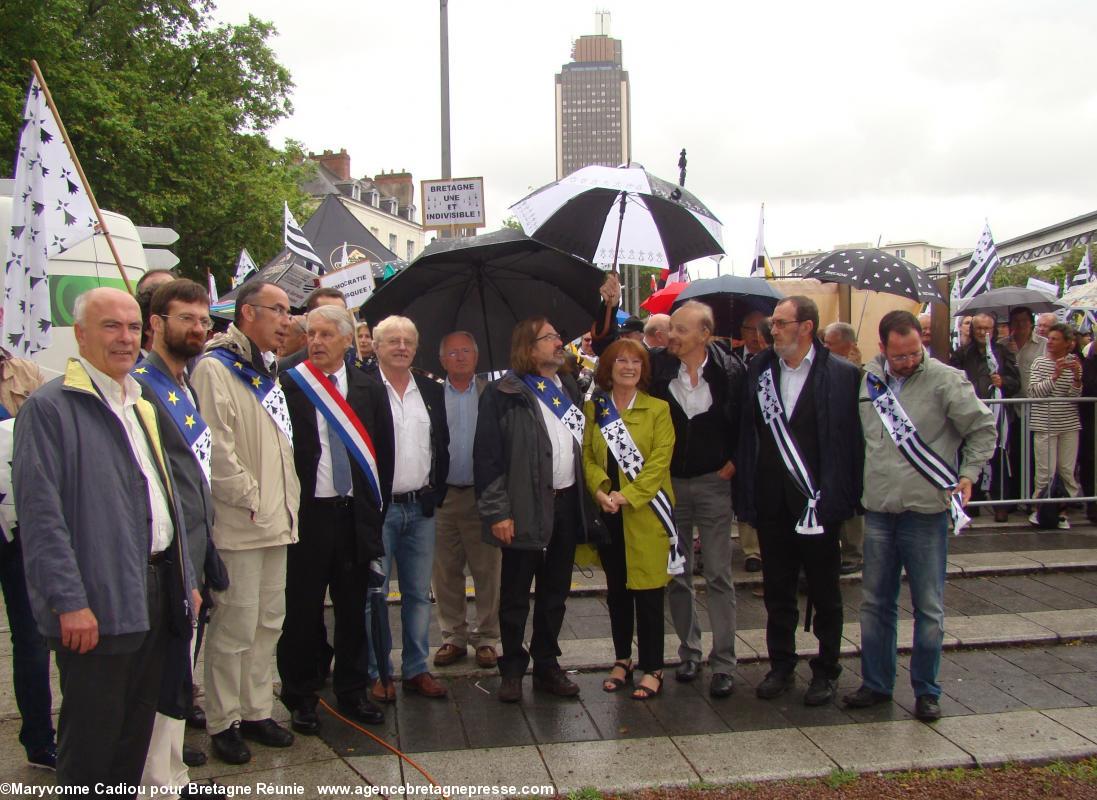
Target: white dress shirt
[
  {"x": 694, "y": 400},
  {"x": 793, "y": 380},
  {"x": 411, "y": 429},
  {"x": 563, "y": 453},
  {"x": 122, "y": 399},
  {"x": 325, "y": 484}
]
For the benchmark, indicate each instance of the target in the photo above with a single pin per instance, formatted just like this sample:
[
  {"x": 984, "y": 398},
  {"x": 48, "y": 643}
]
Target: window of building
[
  {"x": 356, "y": 192},
  {"x": 411, "y": 249},
  {"x": 901, "y": 253},
  {"x": 392, "y": 242}
]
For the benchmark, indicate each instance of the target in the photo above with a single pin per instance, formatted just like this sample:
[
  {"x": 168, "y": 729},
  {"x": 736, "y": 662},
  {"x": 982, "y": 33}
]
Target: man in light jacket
[
  {"x": 255, "y": 501},
  {"x": 906, "y": 516}
]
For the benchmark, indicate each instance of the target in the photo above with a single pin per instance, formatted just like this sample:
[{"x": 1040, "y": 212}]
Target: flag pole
[{"x": 83, "y": 178}]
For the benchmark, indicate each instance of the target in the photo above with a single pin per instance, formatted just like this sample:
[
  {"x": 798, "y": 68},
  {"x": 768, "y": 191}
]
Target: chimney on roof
[
  {"x": 397, "y": 184},
  {"x": 336, "y": 163}
]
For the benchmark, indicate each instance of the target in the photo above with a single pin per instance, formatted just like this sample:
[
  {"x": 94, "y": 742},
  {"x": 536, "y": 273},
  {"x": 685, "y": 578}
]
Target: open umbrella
[
  {"x": 484, "y": 285},
  {"x": 731, "y": 298},
  {"x": 660, "y": 302},
  {"x": 1082, "y": 296},
  {"x": 873, "y": 269},
  {"x": 1000, "y": 302}
]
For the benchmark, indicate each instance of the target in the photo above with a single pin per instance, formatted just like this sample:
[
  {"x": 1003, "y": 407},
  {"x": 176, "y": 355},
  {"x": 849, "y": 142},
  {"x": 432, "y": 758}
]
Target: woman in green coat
[{"x": 635, "y": 559}]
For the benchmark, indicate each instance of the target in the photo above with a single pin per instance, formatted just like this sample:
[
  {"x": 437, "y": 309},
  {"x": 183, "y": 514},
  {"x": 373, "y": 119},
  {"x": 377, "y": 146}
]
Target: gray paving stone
[
  {"x": 1082, "y": 721},
  {"x": 1082, "y": 685},
  {"x": 307, "y": 777},
  {"x": 562, "y": 722},
  {"x": 887, "y": 746},
  {"x": 305, "y": 750},
  {"x": 998, "y": 629},
  {"x": 617, "y": 765},
  {"x": 1037, "y": 661},
  {"x": 1016, "y": 736},
  {"x": 1077, "y": 623},
  {"x": 1036, "y": 693},
  {"x": 974, "y": 564},
  {"x": 688, "y": 716},
  {"x": 1029, "y": 586},
  {"x": 493, "y": 768},
  {"x": 625, "y": 718},
  {"x": 981, "y": 696},
  {"x": 754, "y": 756},
  {"x": 1071, "y": 584},
  {"x": 378, "y": 770}
]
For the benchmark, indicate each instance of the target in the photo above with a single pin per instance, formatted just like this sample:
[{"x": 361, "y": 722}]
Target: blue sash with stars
[
  {"x": 182, "y": 412},
  {"x": 629, "y": 458},
  {"x": 558, "y": 403},
  {"x": 266, "y": 390}
]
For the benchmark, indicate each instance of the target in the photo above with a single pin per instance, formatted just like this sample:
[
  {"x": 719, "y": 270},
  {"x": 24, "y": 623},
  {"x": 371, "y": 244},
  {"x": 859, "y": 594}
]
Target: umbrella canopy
[
  {"x": 485, "y": 285},
  {"x": 662, "y": 224},
  {"x": 872, "y": 269},
  {"x": 731, "y": 298},
  {"x": 660, "y": 302},
  {"x": 297, "y": 282},
  {"x": 1002, "y": 301},
  {"x": 1083, "y": 296}
]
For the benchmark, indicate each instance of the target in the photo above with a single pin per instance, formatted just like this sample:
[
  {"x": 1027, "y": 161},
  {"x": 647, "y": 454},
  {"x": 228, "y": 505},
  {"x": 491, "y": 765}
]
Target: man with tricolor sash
[
  {"x": 917, "y": 414},
  {"x": 255, "y": 502},
  {"x": 344, "y": 461}
]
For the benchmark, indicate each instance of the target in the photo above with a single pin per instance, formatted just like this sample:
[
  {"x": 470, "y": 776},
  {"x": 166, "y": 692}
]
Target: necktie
[{"x": 340, "y": 461}]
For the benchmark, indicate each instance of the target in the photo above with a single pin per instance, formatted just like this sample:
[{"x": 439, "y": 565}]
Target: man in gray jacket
[{"x": 907, "y": 514}]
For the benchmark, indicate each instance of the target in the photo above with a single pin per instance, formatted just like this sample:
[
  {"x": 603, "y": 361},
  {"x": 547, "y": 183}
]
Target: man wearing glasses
[
  {"x": 256, "y": 495},
  {"x": 906, "y": 508}
]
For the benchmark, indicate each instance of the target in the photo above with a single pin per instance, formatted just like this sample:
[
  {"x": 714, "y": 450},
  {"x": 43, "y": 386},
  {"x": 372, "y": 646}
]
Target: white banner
[
  {"x": 456, "y": 201},
  {"x": 1043, "y": 286},
  {"x": 355, "y": 282}
]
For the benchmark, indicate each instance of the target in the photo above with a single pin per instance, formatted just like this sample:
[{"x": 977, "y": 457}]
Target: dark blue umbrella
[{"x": 731, "y": 298}]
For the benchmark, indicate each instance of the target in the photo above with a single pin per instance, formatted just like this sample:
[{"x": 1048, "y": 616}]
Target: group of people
[{"x": 172, "y": 478}]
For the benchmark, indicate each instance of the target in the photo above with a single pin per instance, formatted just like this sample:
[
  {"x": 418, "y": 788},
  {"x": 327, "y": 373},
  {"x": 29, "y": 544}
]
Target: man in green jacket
[{"x": 907, "y": 515}]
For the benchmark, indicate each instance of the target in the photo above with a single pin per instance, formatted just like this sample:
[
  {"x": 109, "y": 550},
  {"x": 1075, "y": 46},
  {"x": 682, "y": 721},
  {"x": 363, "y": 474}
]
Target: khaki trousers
[
  {"x": 852, "y": 538},
  {"x": 242, "y": 636},
  {"x": 457, "y": 543},
  {"x": 748, "y": 540},
  {"x": 1056, "y": 452}
]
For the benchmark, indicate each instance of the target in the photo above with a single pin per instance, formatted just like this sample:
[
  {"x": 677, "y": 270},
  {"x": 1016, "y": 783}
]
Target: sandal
[
  {"x": 615, "y": 684},
  {"x": 642, "y": 692}
]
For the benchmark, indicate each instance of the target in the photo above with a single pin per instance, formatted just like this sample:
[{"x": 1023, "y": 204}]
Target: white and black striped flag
[
  {"x": 299, "y": 244},
  {"x": 245, "y": 268},
  {"x": 984, "y": 261},
  {"x": 50, "y": 212}
]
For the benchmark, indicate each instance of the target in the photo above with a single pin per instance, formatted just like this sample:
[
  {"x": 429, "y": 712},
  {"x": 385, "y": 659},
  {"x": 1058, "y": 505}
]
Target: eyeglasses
[
  {"x": 555, "y": 336},
  {"x": 906, "y": 358},
  {"x": 189, "y": 320},
  {"x": 462, "y": 351},
  {"x": 397, "y": 341},
  {"x": 279, "y": 310},
  {"x": 781, "y": 324}
]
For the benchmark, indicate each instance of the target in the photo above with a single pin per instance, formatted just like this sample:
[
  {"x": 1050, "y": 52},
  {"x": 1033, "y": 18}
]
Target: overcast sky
[{"x": 850, "y": 120}]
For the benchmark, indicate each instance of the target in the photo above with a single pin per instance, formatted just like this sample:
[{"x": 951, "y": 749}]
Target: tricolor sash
[
  {"x": 182, "y": 411},
  {"x": 631, "y": 461},
  {"x": 773, "y": 415},
  {"x": 341, "y": 417},
  {"x": 558, "y": 403},
  {"x": 266, "y": 390},
  {"x": 914, "y": 449}
]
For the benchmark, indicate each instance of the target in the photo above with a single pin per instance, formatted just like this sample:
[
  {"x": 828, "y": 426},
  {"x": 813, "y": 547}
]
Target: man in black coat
[
  {"x": 815, "y": 395},
  {"x": 341, "y": 516}
]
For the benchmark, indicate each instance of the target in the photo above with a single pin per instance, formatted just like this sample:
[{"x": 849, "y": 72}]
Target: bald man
[
  {"x": 656, "y": 331},
  {"x": 107, "y": 569}
]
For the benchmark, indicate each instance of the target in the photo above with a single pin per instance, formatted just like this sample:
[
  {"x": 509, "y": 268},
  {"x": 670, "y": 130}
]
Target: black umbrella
[
  {"x": 731, "y": 298},
  {"x": 873, "y": 269},
  {"x": 485, "y": 285},
  {"x": 1003, "y": 300}
]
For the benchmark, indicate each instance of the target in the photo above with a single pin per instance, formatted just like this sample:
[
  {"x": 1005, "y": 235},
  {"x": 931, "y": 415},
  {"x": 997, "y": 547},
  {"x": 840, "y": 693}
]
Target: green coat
[{"x": 646, "y": 542}]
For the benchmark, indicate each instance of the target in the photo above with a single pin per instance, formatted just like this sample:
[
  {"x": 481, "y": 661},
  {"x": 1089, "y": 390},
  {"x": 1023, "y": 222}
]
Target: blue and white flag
[
  {"x": 50, "y": 212},
  {"x": 245, "y": 268},
  {"x": 299, "y": 244},
  {"x": 984, "y": 262}
]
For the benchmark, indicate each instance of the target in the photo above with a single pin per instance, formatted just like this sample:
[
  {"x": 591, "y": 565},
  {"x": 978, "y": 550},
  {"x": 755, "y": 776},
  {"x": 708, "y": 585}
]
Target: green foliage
[
  {"x": 1085, "y": 770},
  {"x": 167, "y": 112},
  {"x": 586, "y": 793},
  {"x": 512, "y": 222},
  {"x": 840, "y": 777},
  {"x": 1018, "y": 274}
]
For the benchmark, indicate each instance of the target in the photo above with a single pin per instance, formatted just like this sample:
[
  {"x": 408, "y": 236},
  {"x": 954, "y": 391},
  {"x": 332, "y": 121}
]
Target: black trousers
[
  {"x": 109, "y": 699},
  {"x": 324, "y": 557},
  {"x": 784, "y": 553},
  {"x": 552, "y": 569},
  {"x": 629, "y": 609}
]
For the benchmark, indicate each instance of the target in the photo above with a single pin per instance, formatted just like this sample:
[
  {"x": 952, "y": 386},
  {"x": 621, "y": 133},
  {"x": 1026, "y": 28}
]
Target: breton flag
[
  {"x": 1084, "y": 273},
  {"x": 344, "y": 257},
  {"x": 245, "y": 268},
  {"x": 984, "y": 261},
  {"x": 760, "y": 266},
  {"x": 50, "y": 212},
  {"x": 212, "y": 287},
  {"x": 299, "y": 244}
]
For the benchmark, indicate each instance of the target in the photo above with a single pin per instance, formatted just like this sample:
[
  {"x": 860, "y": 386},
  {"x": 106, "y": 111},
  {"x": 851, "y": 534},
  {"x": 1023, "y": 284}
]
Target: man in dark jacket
[
  {"x": 343, "y": 496},
  {"x": 528, "y": 465},
  {"x": 800, "y": 452},
  {"x": 973, "y": 361}
]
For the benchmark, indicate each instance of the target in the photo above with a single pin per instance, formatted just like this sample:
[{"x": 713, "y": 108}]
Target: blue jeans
[
  {"x": 918, "y": 542},
  {"x": 409, "y": 537},
  {"x": 30, "y": 657}
]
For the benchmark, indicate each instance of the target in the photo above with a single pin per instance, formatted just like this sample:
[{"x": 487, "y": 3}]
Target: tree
[
  {"x": 168, "y": 113},
  {"x": 1018, "y": 274}
]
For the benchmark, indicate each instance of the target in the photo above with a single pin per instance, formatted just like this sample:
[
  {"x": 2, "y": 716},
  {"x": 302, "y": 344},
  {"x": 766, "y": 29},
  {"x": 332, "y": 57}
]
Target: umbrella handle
[{"x": 595, "y": 331}]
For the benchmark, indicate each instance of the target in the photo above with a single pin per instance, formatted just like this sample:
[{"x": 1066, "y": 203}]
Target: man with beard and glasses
[{"x": 179, "y": 319}]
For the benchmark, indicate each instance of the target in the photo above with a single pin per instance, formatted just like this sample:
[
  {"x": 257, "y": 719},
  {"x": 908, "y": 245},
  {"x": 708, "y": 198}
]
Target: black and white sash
[
  {"x": 773, "y": 414},
  {"x": 914, "y": 449},
  {"x": 558, "y": 403},
  {"x": 267, "y": 391},
  {"x": 1001, "y": 416},
  {"x": 621, "y": 444}
]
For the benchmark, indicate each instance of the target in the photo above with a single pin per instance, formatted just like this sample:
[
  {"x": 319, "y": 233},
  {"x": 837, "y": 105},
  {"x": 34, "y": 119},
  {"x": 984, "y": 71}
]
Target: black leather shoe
[
  {"x": 865, "y": 698},
  {"x": 196, "y": 718},
  {"x": 555, "y": 682},
  {"x": 820, "y": 692},
  {"x": 927, "y": 708},
  {"x": 851, "y": 567},
  {"x": 753, "y": 564},
  {"x": 304, "y": 718},
  {"x": 266, "y": 731},
  {"x": 721, "y": 685},
  {"x": 229, "y": 746},
  {"x": 688, "y": 671},
  {"x": 193, "y": 757},
  {"x": 362, "y": 710},
  {"x": 774, "y": 685},
  {"x": 510, "y": 690}
]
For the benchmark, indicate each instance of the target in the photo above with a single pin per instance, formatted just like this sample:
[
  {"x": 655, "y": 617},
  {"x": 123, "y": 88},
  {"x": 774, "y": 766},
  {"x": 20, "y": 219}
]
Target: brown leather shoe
[
  {"x": 383, "y": 694},
  {"x": 425, "y": 684},
  {"x": 555, "y": 682},
  {"x": 1001, "y": 515},
  {"x": 486, "y": 657},
  {"x": 448, "y": 654}
]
